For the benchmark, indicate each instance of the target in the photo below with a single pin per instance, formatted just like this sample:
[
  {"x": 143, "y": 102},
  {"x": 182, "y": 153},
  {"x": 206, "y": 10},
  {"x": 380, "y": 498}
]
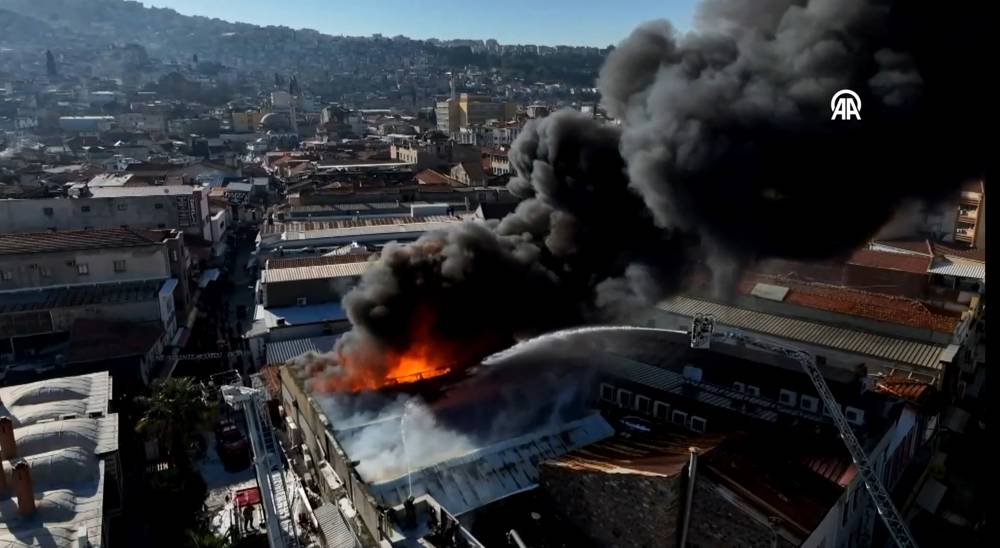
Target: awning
[
  {"x": 208, "y": 276},
  {"x": 247, "y": 497}
]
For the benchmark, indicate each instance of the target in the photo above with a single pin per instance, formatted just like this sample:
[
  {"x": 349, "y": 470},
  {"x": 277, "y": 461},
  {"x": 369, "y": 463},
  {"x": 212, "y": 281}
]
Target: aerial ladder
[{"x": 702, "y": 334}]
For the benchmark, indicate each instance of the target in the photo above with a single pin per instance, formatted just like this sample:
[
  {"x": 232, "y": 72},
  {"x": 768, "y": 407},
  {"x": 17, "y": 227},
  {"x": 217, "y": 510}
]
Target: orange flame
[{"x": 425, "y": 358}]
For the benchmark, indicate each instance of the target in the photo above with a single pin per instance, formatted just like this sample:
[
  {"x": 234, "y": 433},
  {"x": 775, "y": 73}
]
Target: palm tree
[
  {"x": 203, "y": 538},
  {"x": 177, "y": 410}
]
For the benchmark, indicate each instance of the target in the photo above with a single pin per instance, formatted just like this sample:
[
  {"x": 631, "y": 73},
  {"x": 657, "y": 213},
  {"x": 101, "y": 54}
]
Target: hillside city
[{"x": 209, "y": 232}]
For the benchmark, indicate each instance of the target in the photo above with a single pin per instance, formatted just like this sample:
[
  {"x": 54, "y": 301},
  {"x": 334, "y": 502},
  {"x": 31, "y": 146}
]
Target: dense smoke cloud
[{"x": 726, "y": 153}]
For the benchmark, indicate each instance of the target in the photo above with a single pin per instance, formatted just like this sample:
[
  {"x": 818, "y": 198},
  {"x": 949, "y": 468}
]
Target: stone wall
[
  {"x": 718, "y": 523},
  {"x": 617, "y": 510}
]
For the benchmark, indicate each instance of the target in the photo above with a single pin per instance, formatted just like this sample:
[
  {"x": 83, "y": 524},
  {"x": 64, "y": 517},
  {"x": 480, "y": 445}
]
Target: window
[
  {"x": 301, "y": 301},
  {"x": 854, "y": 415},
  {"x": 739, "y": 387},
  {"x": 679, "y": 417},
  {"x": 45, "y": 272},
  {"x": 82, "y": 269},
  {"x": 753, "y": 391},
  {"x": 6, "y": 275},
  {"x": 661, "y": 410},
  {"x": 158, "y": 206},
  {"x": 85, "y": 209},
  {"x": 120, "y": 265},
  {"x": 48, "y": 211},
  {"x": 642, "y": 404},
  {"x": 624, "y": 398},
  {"x": 787, "y": 397},
  {"x": 698, "y": 424},
  {"x": 607, "y": 392},
  {"x": 122, "y": 207},
  {"x": 826, "y": 411},
  {"x": 809, "y": 403}
]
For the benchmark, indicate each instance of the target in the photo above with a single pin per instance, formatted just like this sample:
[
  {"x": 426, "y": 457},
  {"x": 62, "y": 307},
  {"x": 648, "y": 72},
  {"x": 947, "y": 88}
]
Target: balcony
[
  {"x": 970, "y": 216},
  {"x": 971, "y": 198},
  {"x": 967, "y": 235}
]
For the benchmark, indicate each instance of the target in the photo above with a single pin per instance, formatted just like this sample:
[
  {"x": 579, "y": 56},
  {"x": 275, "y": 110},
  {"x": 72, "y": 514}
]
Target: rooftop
[
  {"x": 281, "y": 352},
  {"x": 73, "y": 240},
  {"x": 320, "y": 272},
  {"x": 494, "y": 472},
  {"x": 855, "y": 302},
  {"x": 656, "y": 454},
  {"x": 62, "y": 429},
  {"x": 366, "y": 225},
  {"x": 156, "y": 190},
  {"x": 890, "y": 261},
  {"x": 79, "y": 295},
  {"x": 110, "y": 180},
  {"x": 894, "y": 349},
  {"x": 280, "y": 263}
]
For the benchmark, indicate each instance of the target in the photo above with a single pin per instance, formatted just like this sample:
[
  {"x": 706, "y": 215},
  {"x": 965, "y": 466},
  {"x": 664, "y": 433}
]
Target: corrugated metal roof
[
  {"x": 317, "y": 272},
  {"x": 280, "y": 352},
  {"x": 465, "y": 483},
  {"x": 960, "y": 269},
  {"x": 71, "y": 240},
  {"x": 335, "y": 531},
  {"x": 848, "y": 340},
  {"x": 79, "y": 295},
  {"x": 373, "y": 230}
]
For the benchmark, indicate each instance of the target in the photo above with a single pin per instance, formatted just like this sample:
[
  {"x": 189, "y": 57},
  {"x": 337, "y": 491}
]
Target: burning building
[{"x": 587, "y": 417}]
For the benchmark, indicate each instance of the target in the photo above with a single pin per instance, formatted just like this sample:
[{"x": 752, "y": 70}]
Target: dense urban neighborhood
[{"x": 271, "y": 287}]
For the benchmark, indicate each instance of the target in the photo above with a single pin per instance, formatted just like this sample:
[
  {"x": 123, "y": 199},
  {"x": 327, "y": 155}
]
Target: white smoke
[
  {"x": 370, "y": 429},
  {"x": 534, "y": 389}
]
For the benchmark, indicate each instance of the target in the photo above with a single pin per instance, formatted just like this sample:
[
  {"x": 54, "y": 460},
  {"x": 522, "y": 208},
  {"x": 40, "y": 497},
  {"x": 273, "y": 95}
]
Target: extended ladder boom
[{"x": 702, "y": 333}]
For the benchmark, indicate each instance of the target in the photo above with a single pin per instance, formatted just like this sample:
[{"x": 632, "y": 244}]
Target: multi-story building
[
  {"x": 465, "y": 110},
  {"x": 771, "y": 467},
  {"x": 179, "y": 207},
  {"x": 33, "y": 260}
]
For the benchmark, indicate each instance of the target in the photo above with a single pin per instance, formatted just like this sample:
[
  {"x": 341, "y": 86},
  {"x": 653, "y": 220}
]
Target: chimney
[
  {"x": 23, "y": 488},
  {"x": 8, "y": 447}
]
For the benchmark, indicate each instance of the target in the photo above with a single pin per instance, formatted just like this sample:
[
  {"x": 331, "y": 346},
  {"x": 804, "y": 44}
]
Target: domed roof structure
[{"x": 275, "y": 121}]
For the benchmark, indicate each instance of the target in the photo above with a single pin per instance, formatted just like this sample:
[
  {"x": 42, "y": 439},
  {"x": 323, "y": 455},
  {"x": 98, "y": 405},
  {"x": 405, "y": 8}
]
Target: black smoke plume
[{"x": 725, "y": 153}]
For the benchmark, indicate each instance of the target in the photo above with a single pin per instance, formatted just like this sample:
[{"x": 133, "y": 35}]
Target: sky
[{"x": 548, "y": 22}]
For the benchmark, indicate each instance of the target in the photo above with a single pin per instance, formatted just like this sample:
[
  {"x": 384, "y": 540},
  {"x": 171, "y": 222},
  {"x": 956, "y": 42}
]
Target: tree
[
  {"x": 205, "y": 538},
  {"x": 174, "y": 414},
  {"x": 50, "y": 64}
]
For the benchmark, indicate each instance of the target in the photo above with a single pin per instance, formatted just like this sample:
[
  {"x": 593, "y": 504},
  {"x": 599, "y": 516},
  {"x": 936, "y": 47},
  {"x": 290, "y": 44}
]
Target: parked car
[{"x": 232, "y": 446}]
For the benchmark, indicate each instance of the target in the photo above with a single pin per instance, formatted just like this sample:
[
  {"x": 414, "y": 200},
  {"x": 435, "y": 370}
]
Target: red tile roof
[
  {"x": 296, "y": 262},
  {"x": 910, "y": 390},
  {"x": 431, "y": 177},
  {"x": 854, "y": 302},
  {"x": 890, "y": 261},
  {"x": 944, "y": 248}
]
